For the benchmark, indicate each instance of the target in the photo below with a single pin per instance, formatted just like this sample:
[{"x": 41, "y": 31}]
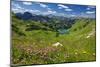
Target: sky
[{"x": 57, "y": 9}]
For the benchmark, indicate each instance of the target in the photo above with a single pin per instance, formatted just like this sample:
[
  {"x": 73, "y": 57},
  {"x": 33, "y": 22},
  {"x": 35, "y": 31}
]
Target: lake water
[{"x": 63, "y": 31}]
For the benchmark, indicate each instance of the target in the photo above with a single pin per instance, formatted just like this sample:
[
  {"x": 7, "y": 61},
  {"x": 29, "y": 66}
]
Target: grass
[{"x": 36, "y": 47}]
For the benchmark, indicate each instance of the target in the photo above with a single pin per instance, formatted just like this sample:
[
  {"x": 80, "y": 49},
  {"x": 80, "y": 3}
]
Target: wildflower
[
  {"x": 76, "y": 53},
  {"x": 84, "y": 52},
  {"x": 93, "y": 54}
]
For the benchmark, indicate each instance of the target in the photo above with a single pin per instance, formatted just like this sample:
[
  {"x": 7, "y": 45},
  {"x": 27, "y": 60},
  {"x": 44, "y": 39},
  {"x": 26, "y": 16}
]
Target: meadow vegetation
[{"x": 32, "y": 42}]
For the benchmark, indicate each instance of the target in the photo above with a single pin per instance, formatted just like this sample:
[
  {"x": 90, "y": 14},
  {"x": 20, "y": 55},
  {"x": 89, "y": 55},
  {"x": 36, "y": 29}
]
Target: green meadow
[{"x": 36, "y": 43}]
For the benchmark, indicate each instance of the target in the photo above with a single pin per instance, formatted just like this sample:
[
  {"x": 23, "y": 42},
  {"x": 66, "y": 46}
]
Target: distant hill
[
  {"x": 53, "y": 23},
  {"x": 49, "y": 20}
]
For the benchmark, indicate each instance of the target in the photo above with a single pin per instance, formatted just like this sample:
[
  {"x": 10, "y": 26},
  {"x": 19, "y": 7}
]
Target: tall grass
[{"x": 36, "y": 47}]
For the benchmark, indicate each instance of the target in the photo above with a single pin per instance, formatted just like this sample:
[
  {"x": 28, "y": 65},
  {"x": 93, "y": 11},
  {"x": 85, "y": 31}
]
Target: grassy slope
[{"x": 36, "y": 47}]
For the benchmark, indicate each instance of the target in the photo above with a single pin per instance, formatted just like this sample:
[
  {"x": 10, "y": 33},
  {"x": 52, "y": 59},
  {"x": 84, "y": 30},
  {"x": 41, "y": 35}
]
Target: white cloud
[
  {"x": 27, "y": 3},
  {"x": 51, "y": 12},
  {"x": 65, "y": 7},
  {"x": 61, "y": 14},
  {"x": 68, "y": 9},
  {"x": 72, "y": 15},
  {"x": 14, "y": 10},
  {"x": 17, "y": 8},
  {"x": 33, "y": 11},
  {"x": 90, "y": 7},
  {"x": 16, "y": 5},
  {"x": 49, "y": 9},
  {"x": 90, "y": 12},
  {"x": 43, "y": 5},
  {"x": 59, "y": 7},
  {"x": 62, "y": 6}
]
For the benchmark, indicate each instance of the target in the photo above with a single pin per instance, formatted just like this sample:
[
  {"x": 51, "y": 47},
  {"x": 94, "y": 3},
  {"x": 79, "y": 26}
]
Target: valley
[{"x": 38, "y": 39}]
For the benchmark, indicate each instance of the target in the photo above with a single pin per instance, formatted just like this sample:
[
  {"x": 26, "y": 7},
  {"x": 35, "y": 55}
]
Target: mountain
[
  {"x": 77, "y": 36},
  {"x": 24, "y": 16},
  {"x": 29, "y": 16},
  {"x": 49, "y": 22},
  {"x": 48, "y": 19}
]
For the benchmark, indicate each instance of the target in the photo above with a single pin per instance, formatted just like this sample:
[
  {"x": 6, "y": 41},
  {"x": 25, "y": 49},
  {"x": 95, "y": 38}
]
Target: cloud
[
  {"x": 51, "y": 12},
  {"x": 49, "y": 9},
  {"x": 68, "y": 9},
  {"x": 62, "y": 14},
  {"x": 62, "y": 6},
  {"x": 16, "y": 8},
  {"x": 43, "y": 5},
  {"x": 90, "y": 12},
  {"x": 90, "y": 7},
  {"x": 59, "y": 7},
  {"x": 27, "y": 3},
  {"x": 72, "y": 15},
  {"x": 65, "y": 7},
  {"x": 33, "y": 11},
  {"x": 16, "y": 5}
]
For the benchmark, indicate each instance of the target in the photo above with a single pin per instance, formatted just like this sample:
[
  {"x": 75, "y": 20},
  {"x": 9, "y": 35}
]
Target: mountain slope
[{"x": 37, "y": 44}]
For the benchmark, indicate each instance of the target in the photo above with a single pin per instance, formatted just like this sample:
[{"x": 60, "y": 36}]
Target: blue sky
[{"x": 66, "y": 10}]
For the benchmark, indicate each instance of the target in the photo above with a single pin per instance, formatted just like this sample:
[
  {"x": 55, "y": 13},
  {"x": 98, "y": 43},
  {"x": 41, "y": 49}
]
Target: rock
[
  {"x": 57, "y": 44},
  {"x": 88, "y": 36}
]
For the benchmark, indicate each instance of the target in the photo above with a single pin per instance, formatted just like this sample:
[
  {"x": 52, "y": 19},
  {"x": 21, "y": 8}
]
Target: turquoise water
[{"x": 63, "y": 31}]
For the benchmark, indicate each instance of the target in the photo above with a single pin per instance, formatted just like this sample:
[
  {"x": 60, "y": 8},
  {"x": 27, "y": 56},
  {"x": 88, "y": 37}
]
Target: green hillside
[{"x": 34, "y": 42}]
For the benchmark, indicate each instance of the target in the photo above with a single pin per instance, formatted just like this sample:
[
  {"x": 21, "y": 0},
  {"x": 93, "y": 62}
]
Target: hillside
[{"x": 35, "y": 42}]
